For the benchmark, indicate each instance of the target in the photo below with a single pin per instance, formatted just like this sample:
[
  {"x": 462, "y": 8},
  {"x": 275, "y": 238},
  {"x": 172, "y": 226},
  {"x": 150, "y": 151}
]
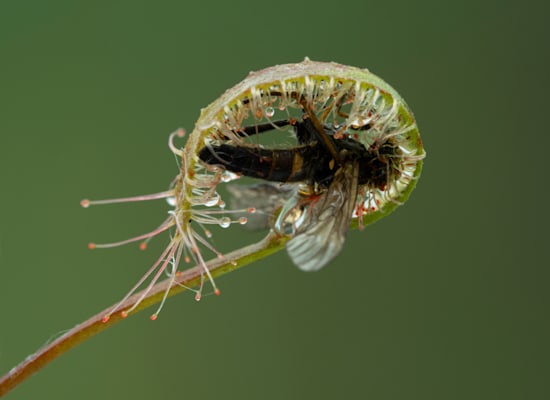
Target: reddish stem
[{"x": 80, "y": 333}]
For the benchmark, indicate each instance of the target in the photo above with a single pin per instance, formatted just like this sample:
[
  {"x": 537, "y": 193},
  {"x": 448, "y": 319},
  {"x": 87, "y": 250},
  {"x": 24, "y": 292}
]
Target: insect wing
[
  {"x": 321, "y": 234},
  {"x": 264, "y": 196}
]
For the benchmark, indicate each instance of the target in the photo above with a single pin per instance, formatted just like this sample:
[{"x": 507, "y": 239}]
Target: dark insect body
[
  {"x": 309, "y": 162},
  {"x": 330, "y": 171}
]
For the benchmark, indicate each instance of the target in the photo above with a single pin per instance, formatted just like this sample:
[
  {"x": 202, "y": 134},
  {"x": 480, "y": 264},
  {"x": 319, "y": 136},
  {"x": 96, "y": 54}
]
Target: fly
[{"x": 328, "y": 172}]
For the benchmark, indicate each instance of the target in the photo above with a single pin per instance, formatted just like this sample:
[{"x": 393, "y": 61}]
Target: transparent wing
[
  {"x": 321, "y": 234},
  {"x": 265, "y": 197}
]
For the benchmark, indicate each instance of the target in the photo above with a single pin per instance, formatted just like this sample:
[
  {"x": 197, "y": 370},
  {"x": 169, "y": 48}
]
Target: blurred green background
[{"x": 445, "y": 299}]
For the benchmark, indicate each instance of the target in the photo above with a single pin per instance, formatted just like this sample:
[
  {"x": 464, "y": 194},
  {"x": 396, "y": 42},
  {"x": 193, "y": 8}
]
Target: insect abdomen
[{"x": 279, "y": 165}]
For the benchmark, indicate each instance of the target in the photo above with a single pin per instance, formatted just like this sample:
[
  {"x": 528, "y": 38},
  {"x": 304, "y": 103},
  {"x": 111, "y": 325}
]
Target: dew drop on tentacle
[
  {"x": 171, "y": 201},
  {"x": 225, "y": 222},
  {"x": 228, "y": 176},
  {"x": 269, "y": 112},
  {"x": 212, "y": 201}
]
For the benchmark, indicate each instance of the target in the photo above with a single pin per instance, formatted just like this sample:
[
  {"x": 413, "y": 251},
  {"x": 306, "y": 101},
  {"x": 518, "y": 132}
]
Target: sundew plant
[{"x": 345, "y": 151}]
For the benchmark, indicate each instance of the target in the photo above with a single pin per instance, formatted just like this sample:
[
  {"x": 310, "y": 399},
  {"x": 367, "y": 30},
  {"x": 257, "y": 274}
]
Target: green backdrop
[{"x": 445, "y": 299}]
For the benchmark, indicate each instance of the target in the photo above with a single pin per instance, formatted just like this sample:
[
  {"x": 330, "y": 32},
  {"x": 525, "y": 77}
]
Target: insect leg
[
  {"x": 339, "y": 105},
  {"x": 319, "y": 132},
  {"x": 257, "y": 129}
]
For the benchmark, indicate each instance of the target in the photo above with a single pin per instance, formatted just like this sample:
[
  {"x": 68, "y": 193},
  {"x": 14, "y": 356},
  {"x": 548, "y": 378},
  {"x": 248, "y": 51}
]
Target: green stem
[{"x": 190, "y": 278}]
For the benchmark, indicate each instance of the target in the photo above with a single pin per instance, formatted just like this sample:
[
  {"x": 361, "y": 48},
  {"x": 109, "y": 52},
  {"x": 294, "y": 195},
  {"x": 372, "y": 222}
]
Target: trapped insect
[
  {"x": 353, "y": 154},
  {"x": 331, "y": 145}
]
